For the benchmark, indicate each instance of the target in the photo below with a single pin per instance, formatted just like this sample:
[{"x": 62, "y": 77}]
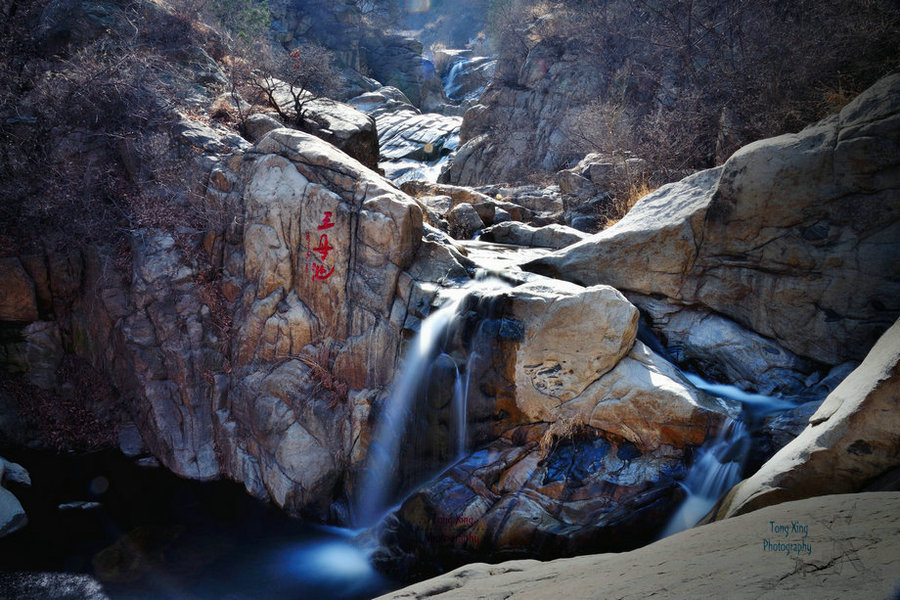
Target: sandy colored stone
[
  {"x": 795, "y": 237},
  {"x": 852, "y": 439},
  {"x": 572, "y": 336},
  {"x": 645, "y": 400},
  {"x": 854, "y": 543}
]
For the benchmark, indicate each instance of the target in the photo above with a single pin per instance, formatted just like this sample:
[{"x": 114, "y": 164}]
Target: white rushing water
[
  {"x": 716, "y": 469},
  {"x": 384, "y": 449},
  {"x": 758, "y": 402},
  {"x": 451, "y": 87},
  {"x": 720, "y": 462}
]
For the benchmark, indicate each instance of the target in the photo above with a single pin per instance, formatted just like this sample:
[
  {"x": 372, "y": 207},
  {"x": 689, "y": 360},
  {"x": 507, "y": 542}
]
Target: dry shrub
[
  {"x": 319, "y": 368},
  {"x": 568, "y": 429},
  {"x": 622, "y": 203},
  {"x": 82, "y": 420},
  {"x": 209, "y": 283},
  {"x": 685, "y": 83}
]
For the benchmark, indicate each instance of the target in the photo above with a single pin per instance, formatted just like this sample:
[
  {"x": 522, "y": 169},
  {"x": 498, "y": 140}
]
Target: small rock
[
  {"x": 464, "y": 222},
  {"x": 12, "y": 515},
  {"x": 79, "y": 505},
  {"x": 148, "y": 462}
]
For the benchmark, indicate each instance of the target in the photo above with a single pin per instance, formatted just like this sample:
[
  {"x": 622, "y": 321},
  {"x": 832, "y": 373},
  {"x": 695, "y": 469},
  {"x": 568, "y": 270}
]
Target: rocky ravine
[
  {"x": 794, "y": 239},
  {"x": 262, "y": 348}
]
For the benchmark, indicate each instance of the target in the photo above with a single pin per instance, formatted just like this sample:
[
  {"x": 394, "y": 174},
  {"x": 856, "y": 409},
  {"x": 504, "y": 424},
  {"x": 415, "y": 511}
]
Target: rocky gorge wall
[
  {"x": 222, "y": 363},
  {"x": 794, "y": 239}
]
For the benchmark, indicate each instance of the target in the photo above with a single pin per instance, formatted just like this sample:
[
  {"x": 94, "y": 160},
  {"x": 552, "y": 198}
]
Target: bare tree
[{"x": 291, "y": 82}]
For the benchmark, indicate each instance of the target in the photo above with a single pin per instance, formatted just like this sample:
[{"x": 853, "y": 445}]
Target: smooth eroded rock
[
  {"x": 850, "y": 440},
  {"x": 852, "y": 543}
]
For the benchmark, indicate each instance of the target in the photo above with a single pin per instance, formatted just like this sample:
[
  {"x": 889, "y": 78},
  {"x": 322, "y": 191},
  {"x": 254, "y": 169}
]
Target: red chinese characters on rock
[{"x": 320, "y": 270}]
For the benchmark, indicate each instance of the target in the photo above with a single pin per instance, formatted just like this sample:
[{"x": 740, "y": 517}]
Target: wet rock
[
  {"x": 725, "y": 351},
  {"x": 12, "y": 515},
  {"x": 508, "y": 500},
  {"x": 594, "y": 430},
  {"x": 404, "y": 133},
  {"x": 59, "y": 586},
  {"x": 718, "y": 553},
  {"x": 465, "y": 78}
]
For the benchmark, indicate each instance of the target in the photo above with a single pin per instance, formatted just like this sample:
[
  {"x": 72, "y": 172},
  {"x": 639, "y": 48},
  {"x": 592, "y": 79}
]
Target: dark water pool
[{"x": 157, "y": 536}]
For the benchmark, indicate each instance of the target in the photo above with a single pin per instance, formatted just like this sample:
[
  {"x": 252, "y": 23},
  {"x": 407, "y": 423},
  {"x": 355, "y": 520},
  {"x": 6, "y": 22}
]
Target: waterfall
[
  {"x": 461, "y": 403},
  {"x": 757, "y": 403},
  {"x": 717, "y": 468},
  {"x": 460, "y": 400},
  {"x": 384, "y": 450},
  {"x": 451, "y": 88},
  {"x": 720, "y": 462}
]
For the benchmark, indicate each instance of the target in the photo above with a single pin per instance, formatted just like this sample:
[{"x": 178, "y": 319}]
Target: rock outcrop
[
  {"x": 586, "y": 431},
  {"x": 337, "y": 123},
  {"x": 257, "y": 349},
  {"x": 795, "y": 238},
  {"x": 851, "y": 545},
  {"x": 406, "y": 135},
  {"x": 398, "y": 61},
  {"x": 850, "y": 442},
  {"x": 549, "y": 236},
  {"x": 515, "y": 129}
]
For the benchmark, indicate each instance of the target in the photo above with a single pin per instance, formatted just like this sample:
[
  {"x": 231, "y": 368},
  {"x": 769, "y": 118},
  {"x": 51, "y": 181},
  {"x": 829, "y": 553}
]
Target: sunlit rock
[{"x": 794, "y": 238}]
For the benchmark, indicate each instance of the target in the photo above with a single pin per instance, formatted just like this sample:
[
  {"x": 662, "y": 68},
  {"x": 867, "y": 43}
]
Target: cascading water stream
[
  {"x": 717, "y": 468},
  {"x": 719, "y": 464},
  {"x": 451, "y": 87},
  {"x": 384, "y": 449},
  {"x": 458, "y": 404}
]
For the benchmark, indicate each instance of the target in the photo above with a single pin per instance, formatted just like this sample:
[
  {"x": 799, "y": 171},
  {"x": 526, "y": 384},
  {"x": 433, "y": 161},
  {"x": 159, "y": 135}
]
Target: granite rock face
[
  {"x": 256, "y": 349},
  {"x": 794, "y": 238}
]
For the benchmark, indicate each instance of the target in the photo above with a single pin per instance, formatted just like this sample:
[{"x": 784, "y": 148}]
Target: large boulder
[
  {"x": 795, "y": 238},
  {"x": 584, "y": 431},
  {"x": 337, "y": 123},
  {"x": 846, "y": 547},
  {"x": 324, "y": 243},
  {"x": 12, "y": 515},
  {"x": 850, "y": 441},
  {"x": 550, "y": 236},
  {"x": 257, "y": 349},
  {"x": 404, "y": 133}
]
